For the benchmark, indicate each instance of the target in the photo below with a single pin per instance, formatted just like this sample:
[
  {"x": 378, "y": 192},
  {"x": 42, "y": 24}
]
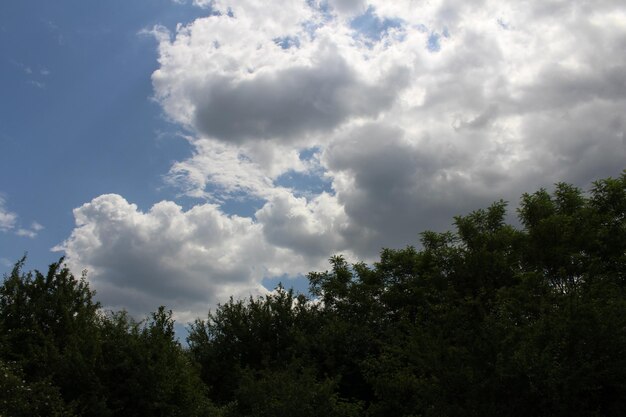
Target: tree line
[{"x": 489, "y": 319}]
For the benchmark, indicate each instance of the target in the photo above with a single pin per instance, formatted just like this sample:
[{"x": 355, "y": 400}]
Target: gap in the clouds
[
  {"x": 237, "y": 204},
  {"x": 287, "y": 42},
  {"x": 309, "y": 153},
  {"x": 433, "y": 42},
  {"x": 304, "y": 183},
  {"x": 244, "y": 206},
  {"x": 372, "y": 27},
  {"x": 310, "y": 27},
  {"x": 299, "y": 283}
]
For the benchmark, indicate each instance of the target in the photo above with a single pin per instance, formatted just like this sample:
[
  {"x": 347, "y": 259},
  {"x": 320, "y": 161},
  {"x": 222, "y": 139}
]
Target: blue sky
[
  {"x": 181, "y": 153},
  {"x": 76, "y": 118}
]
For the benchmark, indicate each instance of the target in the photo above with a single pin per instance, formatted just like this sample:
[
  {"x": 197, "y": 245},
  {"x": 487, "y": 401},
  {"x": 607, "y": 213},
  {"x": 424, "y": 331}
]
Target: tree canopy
[{"x": 488, "y": 319}]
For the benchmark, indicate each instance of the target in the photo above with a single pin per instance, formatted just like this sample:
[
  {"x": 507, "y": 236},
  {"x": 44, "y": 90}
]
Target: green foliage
[
  {"x": 19, "y": 398},
  {"x": 146, "y": 371},
  {"x": 291, "y": 392},
  {"x": 486, "y": 320},
  {"x": 60, "y": 356},
  {"x": 257, "y": 334},
  {"x": 49, "y": 323}
]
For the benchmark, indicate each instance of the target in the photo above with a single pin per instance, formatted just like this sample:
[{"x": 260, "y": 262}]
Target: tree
[
  {"x": 487, "y": 319},
  {"x": 256, "y": 334},
  {"x": 71, "y": 359},
  {"x": 19, "y": 398},
  {"x": 145, "y": 370},
  {"x": 50, "y": 328}
]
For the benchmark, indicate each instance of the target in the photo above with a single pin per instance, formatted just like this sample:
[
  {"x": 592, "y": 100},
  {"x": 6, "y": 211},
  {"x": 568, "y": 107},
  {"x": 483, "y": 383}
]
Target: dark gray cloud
[
  {"x": 398, "y": 188},
  {"x": 290, "y": 102}
]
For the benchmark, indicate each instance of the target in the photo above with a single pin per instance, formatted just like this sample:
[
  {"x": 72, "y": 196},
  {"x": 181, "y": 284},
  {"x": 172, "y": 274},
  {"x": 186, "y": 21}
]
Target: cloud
[
  {"x": 311, "y": 227},
  {"x": 227, "y": 167},
  {"x": 9, "y": 222},
  {"x": 512, "y": 98},
  {"x": 187, "y": 260},
  {"x": 348, "y": 7},
  {"x": 7, "y": 218},
  {"x": 393, "y": 185},
  {"x": 289, "y": 102},
  {"x": 445, "y": 107},
  {"x": 31, "y": 232},
  {"x": 232, "y": 79}
]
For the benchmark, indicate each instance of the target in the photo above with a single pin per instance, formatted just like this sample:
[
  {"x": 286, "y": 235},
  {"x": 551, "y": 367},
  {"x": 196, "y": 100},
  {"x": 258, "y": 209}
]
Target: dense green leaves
[
  {"x": 486, "y": 320},
  {"x": 61, "y": 356},
  {"x": 49, "y": 327}
]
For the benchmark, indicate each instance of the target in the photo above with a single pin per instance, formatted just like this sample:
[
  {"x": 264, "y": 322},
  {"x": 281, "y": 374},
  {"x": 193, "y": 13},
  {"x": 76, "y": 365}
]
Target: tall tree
[{"x": 50, "y": 328}]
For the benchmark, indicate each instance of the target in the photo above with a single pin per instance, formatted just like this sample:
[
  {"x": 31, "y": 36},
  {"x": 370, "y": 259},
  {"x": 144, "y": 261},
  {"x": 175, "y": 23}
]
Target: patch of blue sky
[
  {"x": 309, "y": 153},
  {"x": 310, "y": 27},
  {"x": 237, "y": 203},
  {"x": 421, "y": 27},
  {"x": 79, "y": 102},
  {"x": 304, "y": 184},
  {"x": 371, "y": 27},
  {"x": 433, "y": 44},
  {"x": 287, "y": 42},
  {"x": 242, "y": 204},
  {"x": 299, "y": 283},
  {"x": 321, "y": 6}
]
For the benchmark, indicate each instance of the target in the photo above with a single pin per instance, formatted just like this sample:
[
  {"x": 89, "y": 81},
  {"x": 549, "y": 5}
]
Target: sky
[{"x": 185, "y": 151}]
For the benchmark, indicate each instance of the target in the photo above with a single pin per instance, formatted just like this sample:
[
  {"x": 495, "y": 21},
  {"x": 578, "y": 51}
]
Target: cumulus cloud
[
  {"x": 187, "y": 260},
  {"x": 313, "y": 227},
  {"x": 411, "y": 112},
  {"x": 235, "y": 80},
  {"x": 455, "y": 104}
]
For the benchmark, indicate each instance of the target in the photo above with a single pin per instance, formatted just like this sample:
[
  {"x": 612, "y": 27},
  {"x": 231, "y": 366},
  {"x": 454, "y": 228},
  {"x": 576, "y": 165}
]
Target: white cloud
[
  {"x": 225, "y": 166},
  {"x": 26, "y": 233},
  {"x": 313, "y": 227},
  {"x": 229, "y": 78},
  {"x": 7, "y": 218},
  {"x": 31, "y": 232},
  {"x": 187, "y": 260},
  {"x": 8, "y": 222},
  {"x": 516, "y": 96},
  {"x": 438, "y": 108}
]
